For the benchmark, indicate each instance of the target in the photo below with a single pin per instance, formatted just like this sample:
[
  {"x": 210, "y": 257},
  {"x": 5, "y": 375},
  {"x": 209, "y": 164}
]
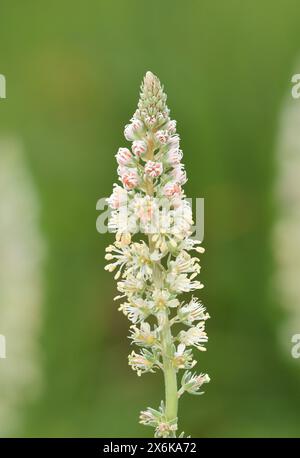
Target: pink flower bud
[
  {"x": 172, "y": 189},
  {"x": 161, "y": 117},
  {"x": 144, "y": 208},
  {"x": 179, "y": 174},
  {"x": 173, "y": 142},
  {"x": 139, "y": 147},
  {"x": 162, "y": 136},
  {"x": 131, "y": 130},
  {"x": 118, "y": 197},
  {"x": 172, "y": 127},
  {"x": 130, "y": 178},
  {"x": 151, "y": 121},
  {"x": 176, "y": 202},
  {"x": 153, "y": 169},
  {"x": 122, "y": 170},
  {"x": 123, "y": 156},
  {"x": 174, "y": 156}
]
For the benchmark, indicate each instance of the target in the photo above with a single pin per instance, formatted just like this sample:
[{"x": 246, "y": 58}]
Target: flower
[
  {"x": 191, "y": 383},
  {"x": 162, "y": 299},
  {"x": 119, "y": 256},
  {"x": 156, "y": 268},
  {"x": 118, "y": 197},
  {"x": 140, "y": 262},
  {"x": 172, "y": 189},
  {"x": 193, "y": 311},
  {"x": 123, "y": 156},
  {"x": 151, "y": 121},
  {"x": 189, "y": 244},
  {"x": 137, "y": 309},
  {"x": 130, "y": 178},
  {"x": 139, "y": 147},
  {"x": 179, "y": 174},
  {"x": 195, "y": 336},
  {"x": 144, "y": 335},
  {"x": 153, "y": 169},
  {"x": 152, "y": 108},
  {"x": 184, "y": 263},
  {"x": 164, "y": 429},
  {"x": 150, "y": 417},
  {"x": 123, "y": 238},
  {"x": 174, "y": 156},
  {"x": 158, "y": 420},
  {"x": 171, "y": 127},
  {"x": 182, "y": 218},
  {"x": 173, "y": 142},
  {"x": 132, "y": 130},
  {"x": 130, "y": 286},
  {"x": 145, "y": 361},
  {"x": 144, "y": 207},
  {"x": 162, "y": 136},
  {"x": 181, "y": 283},
  {"x": 136, "y": 258},
  {"x": 183, "y": 359}
]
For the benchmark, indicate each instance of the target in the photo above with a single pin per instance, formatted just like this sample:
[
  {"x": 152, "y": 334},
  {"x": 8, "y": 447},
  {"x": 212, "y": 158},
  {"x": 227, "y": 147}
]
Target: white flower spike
[{"x": 152, "y": 272}]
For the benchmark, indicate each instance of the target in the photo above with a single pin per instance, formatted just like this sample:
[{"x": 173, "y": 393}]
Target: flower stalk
[{"x": 154, "y": 271}]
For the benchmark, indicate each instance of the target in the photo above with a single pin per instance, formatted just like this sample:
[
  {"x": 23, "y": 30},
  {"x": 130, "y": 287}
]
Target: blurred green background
[{"x": 73, "y": 72}]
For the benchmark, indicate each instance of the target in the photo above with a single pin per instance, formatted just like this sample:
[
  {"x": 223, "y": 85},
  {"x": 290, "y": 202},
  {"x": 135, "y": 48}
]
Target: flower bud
[
  {"x": 132, "y": 130},
  {"x": 118, "y": 197},
  {"x": 172, "y": 127},
  {"x": 174, "y": 156},
  {"x": 130, "y": 178},
  {"x": 172, "y": 189},
  {"x": 125, "y": 239},
  {"x": 162, "y": 136},
  {"x": 139, "y": 147},
  {"x": 153, "y": 169},
  {"x": 179, "y": 175},
  {"x": 123, "y": 156},
  {"x": 151, "y": 121},
  {"x": 173, "y": 142}
]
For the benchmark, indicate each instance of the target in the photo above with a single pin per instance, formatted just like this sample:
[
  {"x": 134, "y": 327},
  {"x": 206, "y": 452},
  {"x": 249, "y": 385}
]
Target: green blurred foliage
[{"x": 73, "y": 72}]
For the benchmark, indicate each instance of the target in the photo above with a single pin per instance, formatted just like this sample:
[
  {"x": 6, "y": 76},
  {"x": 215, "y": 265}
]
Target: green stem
[
  {"x": 166, "y": 339},
  {"x": 169, "y": 372},
  {"x": 170, "y": 377}
]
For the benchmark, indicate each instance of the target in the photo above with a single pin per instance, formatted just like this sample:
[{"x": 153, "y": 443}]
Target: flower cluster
[
  {"x": 153, "y": 271},
  {"x": 157, "y": 419}
]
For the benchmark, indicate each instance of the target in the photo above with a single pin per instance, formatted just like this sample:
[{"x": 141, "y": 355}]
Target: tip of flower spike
[
  {"x": 149, "y": 74},
  {"x": 151, "y": 84},
  {"x": 152, "y": 109},
  {"x": 150, "y": 79}
]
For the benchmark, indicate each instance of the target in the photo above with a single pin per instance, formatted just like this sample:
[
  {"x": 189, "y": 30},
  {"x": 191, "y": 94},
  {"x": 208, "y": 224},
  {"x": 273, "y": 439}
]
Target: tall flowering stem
[{"x": 153, "y": 256}]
